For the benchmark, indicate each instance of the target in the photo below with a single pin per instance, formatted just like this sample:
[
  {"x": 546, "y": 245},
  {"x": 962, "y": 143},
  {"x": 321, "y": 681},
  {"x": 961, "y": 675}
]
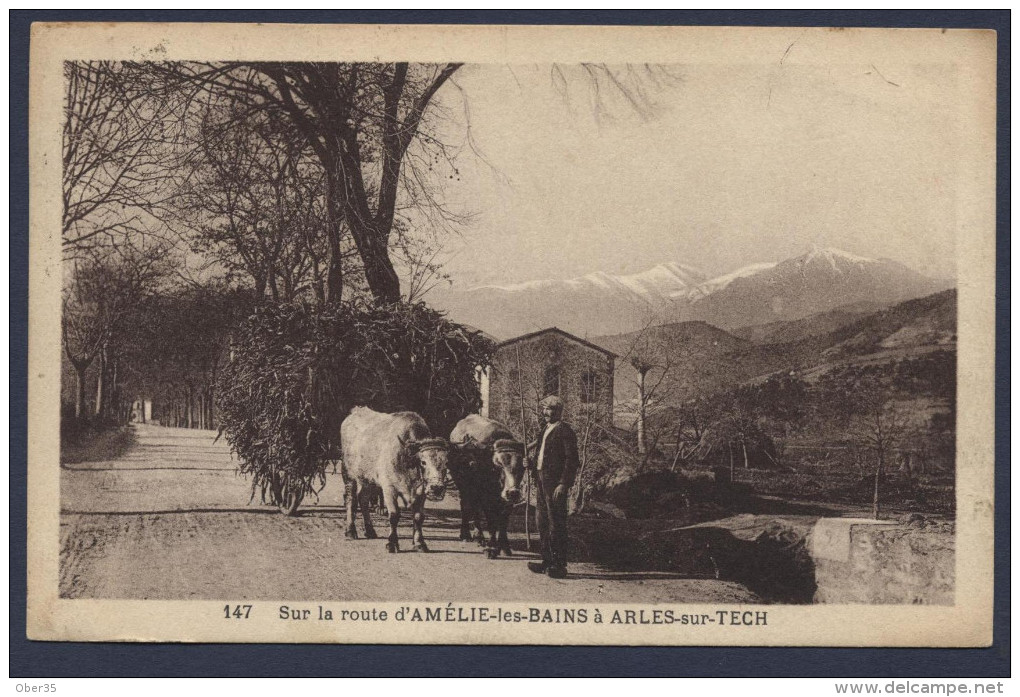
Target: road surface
[{"x": 170, "y": 520}]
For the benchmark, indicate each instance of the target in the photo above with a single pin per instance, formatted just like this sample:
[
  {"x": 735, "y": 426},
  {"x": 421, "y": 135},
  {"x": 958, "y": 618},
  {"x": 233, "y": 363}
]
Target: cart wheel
[
  {"x": 287, "y": 499},
  {"x": 289, "y": 503}
]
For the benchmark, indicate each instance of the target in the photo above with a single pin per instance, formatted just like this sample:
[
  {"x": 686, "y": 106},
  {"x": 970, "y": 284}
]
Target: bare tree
[
  {"x": 862, "y": 402},
  {"x": 653, "y": 361},
  {"x": 374, "y": 130},
  {"x": 83, "y": 324},
  {"x": 176, "y": 346},
  {"x": 688, "y": 435},
  {"x": 360, "y": 120},
  {"x": 879, "y": 428},
  {"x": 611, "y": 89},
  {"x": 419, "y": 256},
  {"x": 590, "y": 417},
  {"x": 253, "y": 203},
  {"x": 100, "y": 295},
  {"x": 117, "y": 140}
]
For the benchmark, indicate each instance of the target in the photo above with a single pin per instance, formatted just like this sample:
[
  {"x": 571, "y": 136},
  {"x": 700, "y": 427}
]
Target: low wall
[
  {"x": 812, "y": 559},
  {"x": 899, "y": 563}
]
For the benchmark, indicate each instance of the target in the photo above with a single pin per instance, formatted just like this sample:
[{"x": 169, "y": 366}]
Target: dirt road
[{"x": 170, "y": 520}]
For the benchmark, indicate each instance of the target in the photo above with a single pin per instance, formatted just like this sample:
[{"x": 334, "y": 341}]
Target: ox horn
[
  {"x": 431, "y": 443},
  {"x": 469, "y": 443}
]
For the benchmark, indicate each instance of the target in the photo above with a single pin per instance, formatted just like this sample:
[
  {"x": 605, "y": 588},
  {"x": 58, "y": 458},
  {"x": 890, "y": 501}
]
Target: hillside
[
  {"x": 918, "y": 324},
  {"x": 703, "y": 359},
  {"x": 813, "y": 325},
  {"x": 690, "y": 359}
]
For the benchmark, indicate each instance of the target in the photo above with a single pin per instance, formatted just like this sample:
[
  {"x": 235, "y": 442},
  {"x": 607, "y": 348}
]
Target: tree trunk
[
  {"x": 334, "y": 224},
  {"x": 641, "y": 447},
  {"x": 379, "y": 272},
  {"x": 880, "y": 465},
  {"x": 334, "y": 277},
  {"x": 743, "y": 444},
  {"x": 79, "y": 392},
  {"x": 288, "y": 288},
  {"x": 260, "y": 287},
  {"x": 371, "y": 236},
  {"x": 116, "y": 407},
  {"x": 101, "y": 385}
]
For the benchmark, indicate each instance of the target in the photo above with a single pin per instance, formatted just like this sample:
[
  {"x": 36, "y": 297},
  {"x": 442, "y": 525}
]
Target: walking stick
[{"x": 524, "y": 433}]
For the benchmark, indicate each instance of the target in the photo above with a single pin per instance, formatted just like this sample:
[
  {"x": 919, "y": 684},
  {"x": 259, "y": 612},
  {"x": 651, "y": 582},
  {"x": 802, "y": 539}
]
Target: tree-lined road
[{"x": 170, "y": 520}]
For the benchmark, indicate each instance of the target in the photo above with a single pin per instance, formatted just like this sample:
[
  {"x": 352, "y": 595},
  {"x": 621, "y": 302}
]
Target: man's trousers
[{"x": 552, "y": 523}]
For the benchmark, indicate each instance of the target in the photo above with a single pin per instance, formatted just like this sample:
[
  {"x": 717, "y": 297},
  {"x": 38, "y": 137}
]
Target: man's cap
[{"x": 552, "y": 401}]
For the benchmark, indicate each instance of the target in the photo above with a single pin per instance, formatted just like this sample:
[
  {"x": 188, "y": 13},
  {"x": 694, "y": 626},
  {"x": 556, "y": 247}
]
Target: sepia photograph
[{"x": 511, "y": 335}]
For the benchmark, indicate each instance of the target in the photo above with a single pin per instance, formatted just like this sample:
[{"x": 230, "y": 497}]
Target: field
[{"x": 832, "y": 476}]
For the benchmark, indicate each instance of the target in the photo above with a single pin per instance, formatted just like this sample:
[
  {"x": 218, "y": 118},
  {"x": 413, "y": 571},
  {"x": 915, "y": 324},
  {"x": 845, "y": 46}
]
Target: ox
[
  {"x": 397, "y": 454},
  {"x": 487, "y": 464}
]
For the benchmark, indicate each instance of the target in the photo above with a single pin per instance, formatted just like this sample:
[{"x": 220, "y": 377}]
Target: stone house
[{"x": 549, "y": 362}]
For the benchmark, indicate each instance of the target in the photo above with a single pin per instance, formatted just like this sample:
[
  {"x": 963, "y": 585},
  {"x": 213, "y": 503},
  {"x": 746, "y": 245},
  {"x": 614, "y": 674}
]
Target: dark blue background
[{"x": 75, "y": 659}]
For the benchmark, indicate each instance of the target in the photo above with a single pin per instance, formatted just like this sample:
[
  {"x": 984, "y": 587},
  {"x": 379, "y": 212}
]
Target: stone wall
[
  {"x": 902, "y": 563},
  {"x": 807, "y": 559}
]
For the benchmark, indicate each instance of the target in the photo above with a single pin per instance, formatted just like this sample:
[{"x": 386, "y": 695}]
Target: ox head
[
  {"x": 508, "y": 459},
  {"x": 432, "y": 456}
]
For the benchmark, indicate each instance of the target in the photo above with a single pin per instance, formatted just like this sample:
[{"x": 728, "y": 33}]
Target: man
[{"x": 555, "y": 466}]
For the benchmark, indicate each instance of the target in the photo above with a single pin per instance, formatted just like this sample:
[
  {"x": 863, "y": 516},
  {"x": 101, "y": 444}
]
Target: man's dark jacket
[{"x": 560, "y": 461}]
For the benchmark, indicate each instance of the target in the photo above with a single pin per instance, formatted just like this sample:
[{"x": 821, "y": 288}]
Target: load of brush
[{"x": 296, "y": 370}]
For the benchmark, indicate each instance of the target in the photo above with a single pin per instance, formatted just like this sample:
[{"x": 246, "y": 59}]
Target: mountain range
[{"x": 754, "y": 296}]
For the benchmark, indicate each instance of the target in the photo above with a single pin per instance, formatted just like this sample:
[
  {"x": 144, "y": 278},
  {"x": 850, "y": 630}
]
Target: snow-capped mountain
[
  {"x": 600, "y": 303},
  {"x": 597, "y": 303},
  {"x": 658, "y": 285},
  {"x": 719, "y": 282},
  {"x": 818, "y": 281}
]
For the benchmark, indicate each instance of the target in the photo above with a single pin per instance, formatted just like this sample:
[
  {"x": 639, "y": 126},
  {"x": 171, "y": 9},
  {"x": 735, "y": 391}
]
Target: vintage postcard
[{"x": 511, "y": 335}]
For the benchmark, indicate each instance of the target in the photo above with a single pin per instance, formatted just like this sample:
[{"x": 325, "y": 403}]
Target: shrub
[
  {"x": 297, "y": 370},
  {"x": 92, "y": 439}
]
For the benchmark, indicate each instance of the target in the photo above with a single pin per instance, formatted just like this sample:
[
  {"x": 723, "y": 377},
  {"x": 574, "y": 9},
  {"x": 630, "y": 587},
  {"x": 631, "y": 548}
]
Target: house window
[
  {"x": 551, "y": 381},
  {"x": 589, "y": 386}
]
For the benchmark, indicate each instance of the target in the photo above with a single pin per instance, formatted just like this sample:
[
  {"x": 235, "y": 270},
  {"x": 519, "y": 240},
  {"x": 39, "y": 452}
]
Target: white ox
[{"x": 397, "y": 454}]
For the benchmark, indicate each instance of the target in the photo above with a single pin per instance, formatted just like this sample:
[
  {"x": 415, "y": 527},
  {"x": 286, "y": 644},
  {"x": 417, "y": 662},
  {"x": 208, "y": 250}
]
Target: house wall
[{"x": 536, "y": 355}]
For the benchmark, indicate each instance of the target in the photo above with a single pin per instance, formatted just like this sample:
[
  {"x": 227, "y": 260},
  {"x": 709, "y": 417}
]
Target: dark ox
[
  {"x": 487, "y": 464},
  {"x": 394, "y": 453}
]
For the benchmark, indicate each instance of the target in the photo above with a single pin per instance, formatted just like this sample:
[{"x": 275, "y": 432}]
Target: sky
[{"x": 739, "y": 163}]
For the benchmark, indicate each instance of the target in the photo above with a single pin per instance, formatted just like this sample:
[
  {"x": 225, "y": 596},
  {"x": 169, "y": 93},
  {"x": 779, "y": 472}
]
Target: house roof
[{"x": 557, "y": 330}]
